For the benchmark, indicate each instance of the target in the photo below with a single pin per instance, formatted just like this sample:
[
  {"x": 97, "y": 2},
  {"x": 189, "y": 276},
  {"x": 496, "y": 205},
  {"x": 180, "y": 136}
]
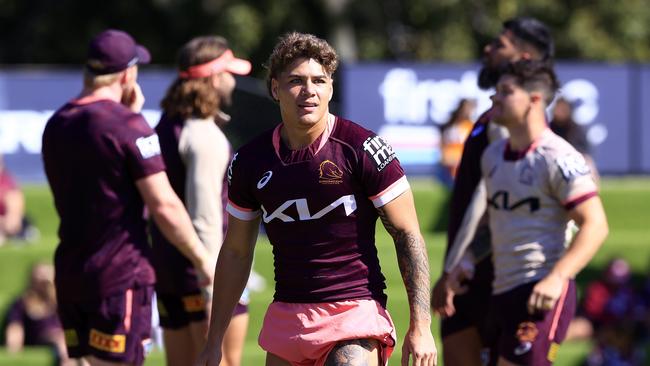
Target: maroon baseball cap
[{"x": 113, "y": 51}]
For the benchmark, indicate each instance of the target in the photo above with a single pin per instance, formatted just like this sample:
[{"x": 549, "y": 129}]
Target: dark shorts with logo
[
  {"x": 178, "y": 311},
  {"x": 472, "y": 306},
  {"x": 115, "y": 329},
  {"x": 530, "y": 339}
]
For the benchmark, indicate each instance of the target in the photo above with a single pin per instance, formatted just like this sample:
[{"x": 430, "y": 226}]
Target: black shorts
[
  {"x": 178, "y": 311},
  {"x": 472, "y": 306}
]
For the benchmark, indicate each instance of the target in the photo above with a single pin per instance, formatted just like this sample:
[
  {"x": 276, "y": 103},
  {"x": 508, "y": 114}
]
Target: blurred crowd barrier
[{"x": 405, "y": 103}]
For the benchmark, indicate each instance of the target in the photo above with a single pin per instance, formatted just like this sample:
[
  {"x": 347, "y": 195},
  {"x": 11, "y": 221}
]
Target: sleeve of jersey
[
  {"x": 381, "y": 172},
  {"x": 241, "y": 202},
  {"x": 571, "y": 179},
  {"x": 141, "y": 148}
]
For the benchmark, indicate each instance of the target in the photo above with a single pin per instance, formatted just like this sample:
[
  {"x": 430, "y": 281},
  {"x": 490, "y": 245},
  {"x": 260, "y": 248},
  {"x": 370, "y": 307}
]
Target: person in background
[
  {"x": 454, "y": 133},
  {"x": 196, "y": 153},
  {"x": 32, "y": 320},
  {"x": 12, "y": 206},
  {"x": 104, "y": 166},
  {"x": 566, "y": 127},
  {"x": 463, "y": 322}
]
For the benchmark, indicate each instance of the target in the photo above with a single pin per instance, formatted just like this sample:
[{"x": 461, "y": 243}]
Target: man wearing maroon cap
[
  {"x": 103, "y": 165},
  {"x": 196, "y": 153}
]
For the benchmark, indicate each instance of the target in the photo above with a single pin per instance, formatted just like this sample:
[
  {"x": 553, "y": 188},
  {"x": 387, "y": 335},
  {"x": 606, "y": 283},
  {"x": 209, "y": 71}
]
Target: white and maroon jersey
[
  {"x": 529, "y": 195},
  {"x": 318, "y": 206}
]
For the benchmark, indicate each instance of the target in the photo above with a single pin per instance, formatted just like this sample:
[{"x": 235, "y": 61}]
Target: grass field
[{"x": 625, "y": 201}]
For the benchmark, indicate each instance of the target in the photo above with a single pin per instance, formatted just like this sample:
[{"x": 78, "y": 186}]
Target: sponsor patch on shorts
[
  {"x": 115, "y": 343},
  {"x": 552, "y": 351},
  {"x": 71, "y": 338},
  {"x": 194, "y": 303}
]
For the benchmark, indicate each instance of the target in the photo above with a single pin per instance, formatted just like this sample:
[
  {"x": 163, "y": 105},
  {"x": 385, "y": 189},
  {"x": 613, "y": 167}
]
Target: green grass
[{"x": 625, "y": 201}]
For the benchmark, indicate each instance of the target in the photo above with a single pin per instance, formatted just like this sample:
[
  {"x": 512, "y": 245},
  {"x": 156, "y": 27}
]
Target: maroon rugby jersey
[
  {"x": 468, "y": 175},
  {"x": 318, "y": 206},
  {"x": 93, "y": 152},
  {"x": 175, "y": 273}
]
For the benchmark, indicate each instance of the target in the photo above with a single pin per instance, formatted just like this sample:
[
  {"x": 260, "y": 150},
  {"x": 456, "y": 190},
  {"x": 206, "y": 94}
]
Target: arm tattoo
[{"x": 414, "y": 265}]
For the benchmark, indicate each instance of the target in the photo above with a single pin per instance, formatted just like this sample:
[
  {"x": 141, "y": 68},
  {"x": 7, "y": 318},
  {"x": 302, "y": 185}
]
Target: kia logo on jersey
[
  {"x": 501, "y": 201},
  {"x": 348, "y": 202}
]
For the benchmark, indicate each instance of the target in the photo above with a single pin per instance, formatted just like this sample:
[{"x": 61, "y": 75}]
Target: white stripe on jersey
[
  {"x": 242, "y": 214},
  {"x": 393, "y": 191}
]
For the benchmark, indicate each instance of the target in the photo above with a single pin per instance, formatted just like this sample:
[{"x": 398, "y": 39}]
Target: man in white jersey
[{"x": 534, "y": 182}]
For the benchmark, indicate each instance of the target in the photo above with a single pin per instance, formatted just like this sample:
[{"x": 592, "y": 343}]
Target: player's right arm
[
  {"x": 231, "y": 274},
  {"x": 169, "y": 214}
]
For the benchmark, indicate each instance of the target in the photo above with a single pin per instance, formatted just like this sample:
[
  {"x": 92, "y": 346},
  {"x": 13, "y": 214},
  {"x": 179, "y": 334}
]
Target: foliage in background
[{"x": 57, "y": 32}]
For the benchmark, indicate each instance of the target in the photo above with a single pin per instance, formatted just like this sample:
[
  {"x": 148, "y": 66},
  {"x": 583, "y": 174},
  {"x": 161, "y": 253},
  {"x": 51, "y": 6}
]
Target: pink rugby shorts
[{"x": 304, "y": 334}]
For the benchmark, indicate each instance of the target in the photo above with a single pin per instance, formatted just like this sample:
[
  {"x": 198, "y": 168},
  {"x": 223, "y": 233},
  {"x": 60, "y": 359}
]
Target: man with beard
[
  {"x": 463, "y": 316},
  {"x": 196, "y": 153}
]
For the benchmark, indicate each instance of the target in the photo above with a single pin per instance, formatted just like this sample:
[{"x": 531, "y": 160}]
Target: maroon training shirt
[
  {"x": 318, "y": 206},
  {"x": 93, "y": 153}
]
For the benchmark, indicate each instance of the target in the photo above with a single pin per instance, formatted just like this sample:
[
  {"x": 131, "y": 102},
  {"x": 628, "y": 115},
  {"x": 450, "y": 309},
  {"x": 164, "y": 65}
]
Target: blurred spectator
[
  {"x": 453, "y": 136},
  {"x": 614, "y": 315},
  {"x": 32, "y": 319},
  {"x": 566, "y": 127},
  {"x": 13, "y": 224}
]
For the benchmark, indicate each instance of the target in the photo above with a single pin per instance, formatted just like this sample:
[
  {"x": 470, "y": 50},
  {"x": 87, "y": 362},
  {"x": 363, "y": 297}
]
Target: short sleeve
[
  {"x": 241, "y": 202},
  {"x": 571, "y": 179},
  {"x": 16, "y": 312},
  {"x": 141, "y": 148},
  {"x": 381, "y": 173}
]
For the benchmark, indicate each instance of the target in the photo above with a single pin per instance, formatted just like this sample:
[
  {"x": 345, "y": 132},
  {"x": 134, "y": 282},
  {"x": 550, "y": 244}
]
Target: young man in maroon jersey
[
  {"x": 319, "y": 183},
  {"x": 103, "y": 164},
  {"x": 463, "y": 323}
]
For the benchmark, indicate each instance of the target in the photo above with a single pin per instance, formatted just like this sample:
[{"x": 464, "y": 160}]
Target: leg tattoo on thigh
[{"x": 353, "y": 352}]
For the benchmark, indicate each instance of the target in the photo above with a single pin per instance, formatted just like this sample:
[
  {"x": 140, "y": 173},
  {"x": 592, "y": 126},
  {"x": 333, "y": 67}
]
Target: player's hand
[
  {"x": 210, "y": 356},
  {"x": 442, "y": 298},
  {"x": 205, "y": 271},
  {"x": 420, "y": 347},
  {"x": 464, "y": 271},
  {"x": 133, "y": 98},
  {"x": 546, "y": 293}
]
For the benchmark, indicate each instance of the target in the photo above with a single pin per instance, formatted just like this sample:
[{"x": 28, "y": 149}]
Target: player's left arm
[
  {"x": 400, "y": 220},
  {"x": 590, "y": 217}
]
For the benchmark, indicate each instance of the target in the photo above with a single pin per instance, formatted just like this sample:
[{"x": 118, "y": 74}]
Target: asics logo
[
  {"x": 265, "y": 179},
  {"x": 348, "y": 202}
]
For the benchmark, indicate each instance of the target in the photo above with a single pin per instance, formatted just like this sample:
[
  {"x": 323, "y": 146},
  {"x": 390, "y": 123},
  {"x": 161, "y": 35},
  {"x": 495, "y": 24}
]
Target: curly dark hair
[
  {"x": 534, "y": 76},
  {"x": 535, "y": 33},
  {"x": 295, "y": 45},
  {"x": 197, "y": 98}
]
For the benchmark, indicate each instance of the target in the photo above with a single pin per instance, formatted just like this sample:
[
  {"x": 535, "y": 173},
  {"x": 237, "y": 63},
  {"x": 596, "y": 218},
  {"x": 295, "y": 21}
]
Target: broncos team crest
[{"x": 329, "y": 173}]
